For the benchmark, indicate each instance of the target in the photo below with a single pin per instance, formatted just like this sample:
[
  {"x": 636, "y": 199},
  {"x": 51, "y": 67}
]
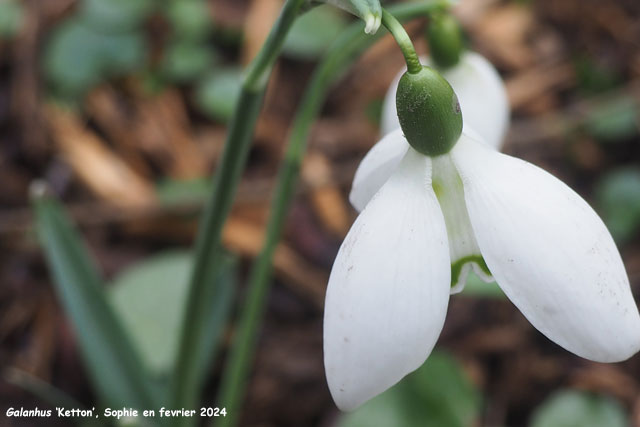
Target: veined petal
[
  {"x": 481, "y": 93},
  {"x": 376, "y": 168},
  {"x": 550, "y": 253},
  {"x": 463, "y": 249},
  {"x": 389, "y": 288}
]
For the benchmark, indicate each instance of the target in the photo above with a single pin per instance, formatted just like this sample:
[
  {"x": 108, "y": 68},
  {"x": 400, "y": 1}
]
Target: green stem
[
  {"x": 204, "y": 290},
  {"x": 344, "y": 50},
  {"x": 403, "y": 40}
]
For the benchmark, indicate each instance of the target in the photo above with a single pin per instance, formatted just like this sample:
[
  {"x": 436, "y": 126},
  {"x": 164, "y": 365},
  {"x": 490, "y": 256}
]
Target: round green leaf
[
  {"x": 437, "y": 394},
  {"x": 78, "y": 57},
  {"x": 185, "y": 61},
  {"x": 218, "y": 93},
  {"x": 11, "y": 16},
  {"x": 189, "y": 19},
  {"x": 618, "y": 201},
  {"x": 150, "y": 298},
  {"x": 115, "y": 15},
  {"x": 579, "y": 409}
]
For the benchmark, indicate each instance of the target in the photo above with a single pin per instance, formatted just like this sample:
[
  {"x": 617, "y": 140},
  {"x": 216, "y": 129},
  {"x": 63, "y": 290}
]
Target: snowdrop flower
[
  {"x": 453, "y": 204},
  {"x": 481, "y": 94}
]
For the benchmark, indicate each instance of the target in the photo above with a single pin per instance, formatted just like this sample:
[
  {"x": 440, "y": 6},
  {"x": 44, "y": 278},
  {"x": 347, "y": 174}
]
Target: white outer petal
[
  {"x": 389, "y": 288},
  {"x": 376, "y": 168},
  {"x": 550, "y": 253},
  {"x": 481, "y": 93}
]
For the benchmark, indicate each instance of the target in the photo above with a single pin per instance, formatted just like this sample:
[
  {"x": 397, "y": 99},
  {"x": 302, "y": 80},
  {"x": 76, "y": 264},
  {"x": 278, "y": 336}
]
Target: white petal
[
  {"x": 376, "y": 168},
  {"x": 481, "y": 93},
  {"x": 389, "y": 288},
  {"x": 550, "y": 253},
  {"x": 463, "y": 249}
]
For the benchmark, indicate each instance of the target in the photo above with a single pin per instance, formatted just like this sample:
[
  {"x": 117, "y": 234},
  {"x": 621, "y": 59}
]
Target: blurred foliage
[
  {"x": 313, "y": 33},
  {"x": 437, "y": 394},
  {"x": 579, "y": 409},
  {"x": 217, "y": 94},
  {"x": 618, "y": 201},
  {"x": 149, "y": 298},
  {"x": 593, "y": 76},
  {"x": 115, "y": 15},
  {"x": 616, "y": 120},
  {"x": 189, "y": 19},
  {"x": 78, "y": 57},
  {"x": 11, "y": 18},
  {"x": 184, "y": 61}
]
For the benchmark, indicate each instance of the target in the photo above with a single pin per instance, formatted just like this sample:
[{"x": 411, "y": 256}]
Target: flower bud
[
  {"x": 445, "y": 40},
  {"x": 429, "y": 112}
]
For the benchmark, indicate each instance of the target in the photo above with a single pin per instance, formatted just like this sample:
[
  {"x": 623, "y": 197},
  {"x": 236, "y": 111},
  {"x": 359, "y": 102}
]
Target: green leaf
[
  {"x": 448, "y": 397},
  {"x": 183, "y": 62},
  {"x": 618, "y": 201},
  {"x": 43, "y": 390},
  {"x": 593, "y": 76},
  {"x": 173, "y": 191},
  {"x": 78, "y": 57},
  {"x": 189, "y": 19},
  {"x": 11, "y": 18},
  {"x": 217, "y": 94},
  {"x": 115, "y": 15},
  {"x": 437, "y": 394},
  {"x": 313, "y": 33},
  {"x": 150, "y": 298},
  {"x": 384, "y": 410},
  {"x": 614, "y": 121},
  {"x": 579, "y": 409},
  {"x": 112, "y": 362}
]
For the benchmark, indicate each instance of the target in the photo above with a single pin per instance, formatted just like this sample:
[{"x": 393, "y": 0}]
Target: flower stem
[
  {"x": 204, "y": 289},
  {"x": 403, "y": 40},
  {"x": 343, "y": 51}
]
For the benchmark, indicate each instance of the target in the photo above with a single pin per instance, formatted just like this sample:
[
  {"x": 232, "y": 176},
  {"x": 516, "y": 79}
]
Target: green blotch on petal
[{"x": 456, "y": 267}]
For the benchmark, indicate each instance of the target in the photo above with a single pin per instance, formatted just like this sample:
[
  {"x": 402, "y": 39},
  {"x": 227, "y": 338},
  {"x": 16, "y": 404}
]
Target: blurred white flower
[{"x": 433, "y": 220}]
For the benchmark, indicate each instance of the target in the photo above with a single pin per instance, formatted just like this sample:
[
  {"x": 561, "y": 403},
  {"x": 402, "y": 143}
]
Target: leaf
[
  {"x": 614, "y": 121},
  {"x": 313, "y": 33},
  {"x": 113, "y": 364},
  {"x": 217, "y": 94},
  {"x": 571, "y": 408},
  {"x": 437, "y": 394},
  {"x": 150, "y": 298},
  {"x": 190, "y": 20},
  {"x": 594, "y": 76},
  {"x": 11, "y": 18},
  {"x": 447, "y": 396},
  {"x": 183, "y": 62},
  {"x": 115, "y": 15},
  {"x": 78, "y": 57},
  {"x": 618, "y": 201}
]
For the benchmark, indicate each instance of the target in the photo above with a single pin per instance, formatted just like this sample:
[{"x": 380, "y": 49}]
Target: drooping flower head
[
  {"x": 448, "y": 203},
  {"x": 480, "y": 91}
]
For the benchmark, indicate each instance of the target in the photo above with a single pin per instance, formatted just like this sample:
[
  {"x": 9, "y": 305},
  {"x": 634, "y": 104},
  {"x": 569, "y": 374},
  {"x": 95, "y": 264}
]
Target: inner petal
[{"x": 463, "y": 248}]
